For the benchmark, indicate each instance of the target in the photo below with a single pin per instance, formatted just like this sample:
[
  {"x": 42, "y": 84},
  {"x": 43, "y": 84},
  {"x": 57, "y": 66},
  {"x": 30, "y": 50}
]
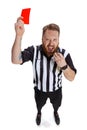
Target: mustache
[{"x": 49, "y": 53}]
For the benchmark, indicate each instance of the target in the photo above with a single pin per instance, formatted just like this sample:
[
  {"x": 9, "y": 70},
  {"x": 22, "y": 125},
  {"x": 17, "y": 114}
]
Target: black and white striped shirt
[{"x": 47, "y": 77}]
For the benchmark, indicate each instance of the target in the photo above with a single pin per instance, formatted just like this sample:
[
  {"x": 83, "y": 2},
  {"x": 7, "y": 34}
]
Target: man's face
[{"x": 50, "y": 42}]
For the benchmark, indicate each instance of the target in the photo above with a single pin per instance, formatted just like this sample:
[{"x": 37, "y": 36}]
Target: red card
[{"x": 25, "y": 13}]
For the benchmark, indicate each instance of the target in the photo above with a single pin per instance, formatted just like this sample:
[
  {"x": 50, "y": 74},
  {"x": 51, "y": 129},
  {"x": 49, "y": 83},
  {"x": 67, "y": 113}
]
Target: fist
[
  {"x": 19, "y": 27},
  {"x": 59, "y": 59}
]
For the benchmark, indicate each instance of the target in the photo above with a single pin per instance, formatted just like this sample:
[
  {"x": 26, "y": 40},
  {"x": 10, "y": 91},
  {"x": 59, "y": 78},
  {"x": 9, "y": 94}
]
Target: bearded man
[{"x": 49, "y": 62}]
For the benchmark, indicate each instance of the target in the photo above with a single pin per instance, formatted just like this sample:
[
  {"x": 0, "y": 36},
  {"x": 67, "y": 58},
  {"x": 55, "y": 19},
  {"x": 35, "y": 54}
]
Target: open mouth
[{"x": 50, "y": 49}]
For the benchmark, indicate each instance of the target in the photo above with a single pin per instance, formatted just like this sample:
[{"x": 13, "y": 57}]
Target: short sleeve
[
  {"x": 70, "y": 63},
  {"x": 28, "y": 54}
]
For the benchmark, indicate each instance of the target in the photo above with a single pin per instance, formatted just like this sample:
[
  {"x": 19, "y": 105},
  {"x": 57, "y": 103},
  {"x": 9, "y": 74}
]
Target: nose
[{"x": 50, "y": 42}]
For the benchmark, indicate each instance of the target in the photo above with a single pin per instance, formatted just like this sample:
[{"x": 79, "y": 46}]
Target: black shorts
[{"x": 41, "y": 98}]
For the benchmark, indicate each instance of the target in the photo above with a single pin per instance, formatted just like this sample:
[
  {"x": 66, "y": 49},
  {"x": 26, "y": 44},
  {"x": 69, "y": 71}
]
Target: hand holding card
[{"x": 25, "y": 13}]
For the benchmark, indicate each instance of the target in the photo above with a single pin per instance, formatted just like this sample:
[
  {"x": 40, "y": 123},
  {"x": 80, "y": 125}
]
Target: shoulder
[
  {"x": 64, "y": 52},
  {"x": 32, "y": 48},
  {"x": 37, "y": 48}
]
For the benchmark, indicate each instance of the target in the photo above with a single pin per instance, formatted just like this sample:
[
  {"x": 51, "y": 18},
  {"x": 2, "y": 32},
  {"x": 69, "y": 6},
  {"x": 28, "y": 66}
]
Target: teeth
[{"x": 50, "y": 48}]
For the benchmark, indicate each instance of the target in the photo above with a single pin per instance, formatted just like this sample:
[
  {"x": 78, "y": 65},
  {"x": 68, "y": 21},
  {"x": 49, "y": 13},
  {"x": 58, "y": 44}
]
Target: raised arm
[{"x": 16, "y": 48}]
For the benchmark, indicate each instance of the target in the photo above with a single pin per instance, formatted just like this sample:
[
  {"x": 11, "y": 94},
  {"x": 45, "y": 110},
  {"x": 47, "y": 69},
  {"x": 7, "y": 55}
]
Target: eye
[
  {"x": 54, "y": 40},
  {"x": 47, "y": 39}
]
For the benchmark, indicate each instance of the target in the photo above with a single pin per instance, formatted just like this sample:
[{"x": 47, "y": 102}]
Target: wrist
[
  {"x": 18, "y": 38},
  {"x": 64, "y": 67}
]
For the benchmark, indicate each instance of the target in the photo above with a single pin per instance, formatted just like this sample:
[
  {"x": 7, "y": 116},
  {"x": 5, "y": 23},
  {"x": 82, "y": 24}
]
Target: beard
[{"x": 49, "y": 50}]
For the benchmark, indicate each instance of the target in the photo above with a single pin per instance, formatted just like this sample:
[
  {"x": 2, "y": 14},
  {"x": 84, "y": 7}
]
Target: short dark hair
[{"x": 51, "y": 26}]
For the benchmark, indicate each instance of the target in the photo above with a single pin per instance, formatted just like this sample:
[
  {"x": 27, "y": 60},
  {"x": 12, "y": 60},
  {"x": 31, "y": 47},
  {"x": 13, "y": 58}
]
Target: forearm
[
  {"x": 16, "y": 51},
  {"x": 69, "y": 74}
]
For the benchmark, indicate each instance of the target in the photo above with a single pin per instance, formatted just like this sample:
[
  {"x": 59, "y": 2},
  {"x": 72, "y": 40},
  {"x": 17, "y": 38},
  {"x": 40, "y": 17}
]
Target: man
[{"x": 49, "y": 62}]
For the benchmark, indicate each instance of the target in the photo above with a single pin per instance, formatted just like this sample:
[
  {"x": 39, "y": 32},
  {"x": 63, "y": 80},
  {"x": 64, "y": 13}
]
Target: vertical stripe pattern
[
  {"x": 48, "y": 74},
  {"x": 47, "y": 77}
]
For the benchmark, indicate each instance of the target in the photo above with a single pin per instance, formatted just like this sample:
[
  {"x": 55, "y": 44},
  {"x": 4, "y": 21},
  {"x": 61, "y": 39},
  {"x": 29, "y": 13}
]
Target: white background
[{"x": 17, "y": 105}]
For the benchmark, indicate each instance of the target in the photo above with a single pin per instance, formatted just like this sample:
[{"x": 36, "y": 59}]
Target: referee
[{"x": 49, "y": 62}]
